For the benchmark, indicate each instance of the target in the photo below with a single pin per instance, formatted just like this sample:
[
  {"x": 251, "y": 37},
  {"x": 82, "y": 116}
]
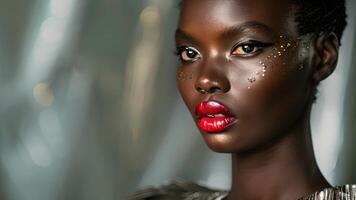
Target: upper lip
[{"x": 211, "y": 108}]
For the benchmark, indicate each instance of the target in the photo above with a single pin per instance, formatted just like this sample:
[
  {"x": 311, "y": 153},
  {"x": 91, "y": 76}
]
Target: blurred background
[{"x": 89, "y": 107}]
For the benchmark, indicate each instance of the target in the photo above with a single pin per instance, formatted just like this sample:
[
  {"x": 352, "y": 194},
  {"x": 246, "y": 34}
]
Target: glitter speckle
[
  {"x": 180, "y": 75},
  {"x": 183, "y": 76},
  {"x": 251, "y": 79}
]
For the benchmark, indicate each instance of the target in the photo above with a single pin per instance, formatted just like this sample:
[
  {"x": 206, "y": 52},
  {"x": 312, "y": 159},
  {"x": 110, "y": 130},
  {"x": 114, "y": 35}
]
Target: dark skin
[{"x": 248, "y": 56}]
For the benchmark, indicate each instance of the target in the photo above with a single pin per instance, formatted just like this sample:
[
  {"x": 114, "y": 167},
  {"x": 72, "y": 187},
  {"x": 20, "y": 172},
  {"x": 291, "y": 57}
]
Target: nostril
[
  {"x": 214, "y": 89},
  {"x": 205, "y": 85},
  {"x": 201, "y": 90},
  {"x": 210, "y": 90}
]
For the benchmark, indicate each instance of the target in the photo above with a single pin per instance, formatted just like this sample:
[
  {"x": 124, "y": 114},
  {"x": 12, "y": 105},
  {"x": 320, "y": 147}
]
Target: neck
[{"x": 284, "y": 170}]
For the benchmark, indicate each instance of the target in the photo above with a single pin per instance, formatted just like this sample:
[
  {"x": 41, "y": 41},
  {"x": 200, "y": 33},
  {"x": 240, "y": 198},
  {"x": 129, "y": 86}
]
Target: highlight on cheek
[{"x": 282, "y": 48}]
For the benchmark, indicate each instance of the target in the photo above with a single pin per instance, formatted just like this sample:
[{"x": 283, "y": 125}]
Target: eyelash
[
  {"x": 178, "y": 52},
  {"x": 251, "y": 43}
]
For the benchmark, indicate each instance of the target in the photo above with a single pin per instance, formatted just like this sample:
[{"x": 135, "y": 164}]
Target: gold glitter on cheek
[
  {"x": 182, "y": 76},
  {"x": 252, "y": 79},
  {"x": 281, "y": 55}
]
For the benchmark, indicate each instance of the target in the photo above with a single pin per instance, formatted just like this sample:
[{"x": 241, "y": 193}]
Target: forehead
[{"x": 208, "y": 15}]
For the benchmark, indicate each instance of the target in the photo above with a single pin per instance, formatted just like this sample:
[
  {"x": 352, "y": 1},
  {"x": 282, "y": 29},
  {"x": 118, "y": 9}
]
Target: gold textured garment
[
  {"x": 183, "y": 190},
  {"x": 346, "y": 192},
  {"x": 179, "y": 190}
]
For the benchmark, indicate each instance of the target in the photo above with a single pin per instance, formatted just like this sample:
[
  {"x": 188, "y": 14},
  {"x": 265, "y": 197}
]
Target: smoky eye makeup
[
  {"x": 243, "y": 49},
  {"x": 250, "y": 48}
]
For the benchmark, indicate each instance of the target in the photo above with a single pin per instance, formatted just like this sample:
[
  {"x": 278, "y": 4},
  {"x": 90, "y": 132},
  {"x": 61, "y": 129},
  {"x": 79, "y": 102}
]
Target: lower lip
[{"x": 215, "y": 124}]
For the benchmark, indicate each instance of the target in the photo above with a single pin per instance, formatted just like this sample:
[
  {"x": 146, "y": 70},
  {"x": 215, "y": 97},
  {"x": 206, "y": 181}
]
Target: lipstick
[{"x": 213, "y": 117}]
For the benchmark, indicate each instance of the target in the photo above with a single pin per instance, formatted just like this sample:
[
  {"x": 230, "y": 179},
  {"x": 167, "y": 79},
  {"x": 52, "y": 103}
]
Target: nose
[{"x": 212, "y": 79}]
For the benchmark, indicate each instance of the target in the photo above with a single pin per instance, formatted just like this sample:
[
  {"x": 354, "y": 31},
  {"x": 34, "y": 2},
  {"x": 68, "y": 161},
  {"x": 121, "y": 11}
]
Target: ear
[{"x": 325, "y": 56}]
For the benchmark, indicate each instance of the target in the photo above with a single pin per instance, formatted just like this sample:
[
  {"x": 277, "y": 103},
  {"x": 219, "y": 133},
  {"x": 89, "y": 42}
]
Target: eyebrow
[
  {"x": 184, "y": 35},
  {"x": 230, "y": 31},
  {"x": 234, "y": 30}
]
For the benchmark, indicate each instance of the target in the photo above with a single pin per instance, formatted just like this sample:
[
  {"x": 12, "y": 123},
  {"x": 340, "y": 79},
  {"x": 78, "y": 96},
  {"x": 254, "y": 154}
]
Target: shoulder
[
  {"x": 345, "y": 192},
  {"x": 182, "y": 190}
]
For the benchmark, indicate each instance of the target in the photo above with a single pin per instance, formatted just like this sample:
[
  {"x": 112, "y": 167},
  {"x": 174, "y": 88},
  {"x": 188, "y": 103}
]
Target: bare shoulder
[{"x": 178, "y": 189}]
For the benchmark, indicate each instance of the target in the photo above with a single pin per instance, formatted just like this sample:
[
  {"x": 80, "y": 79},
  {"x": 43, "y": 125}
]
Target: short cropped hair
[{"x": 321, "y": 16}]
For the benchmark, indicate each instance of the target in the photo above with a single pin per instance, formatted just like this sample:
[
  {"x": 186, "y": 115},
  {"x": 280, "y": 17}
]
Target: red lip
[{"x": 213, "y": 117}]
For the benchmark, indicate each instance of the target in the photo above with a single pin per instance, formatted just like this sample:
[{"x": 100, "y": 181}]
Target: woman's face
[{"x": 245, "y": 75}]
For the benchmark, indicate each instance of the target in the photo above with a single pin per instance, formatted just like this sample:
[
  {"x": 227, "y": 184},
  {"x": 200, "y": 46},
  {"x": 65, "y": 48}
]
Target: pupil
[
  {"x": 247, "y": 48},
  {"x": 191, "y": 54}
]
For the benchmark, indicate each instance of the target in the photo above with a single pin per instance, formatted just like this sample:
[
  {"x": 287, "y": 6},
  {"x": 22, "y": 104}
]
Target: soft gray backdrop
[{"x": 89, "y": 108}]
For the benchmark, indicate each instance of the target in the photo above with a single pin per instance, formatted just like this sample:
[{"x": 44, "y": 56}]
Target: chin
[{"x": 220, "y": 143}]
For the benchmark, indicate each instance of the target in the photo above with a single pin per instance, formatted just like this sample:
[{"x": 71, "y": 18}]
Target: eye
[
  {"x": 245, "y": 49},
  {"x": 249, "y": 48},
  {"x": 188, "y": 54}
]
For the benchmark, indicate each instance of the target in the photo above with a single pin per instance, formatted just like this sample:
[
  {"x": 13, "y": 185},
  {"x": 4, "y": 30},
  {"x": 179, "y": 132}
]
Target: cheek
[
  {"x": 185, "y": 84},
  {"x": 183, "y": 76},
  {"x": 280, "y": 61},
  {"x": 277, "y": 91},
  {"x": 271, "y": 99}
]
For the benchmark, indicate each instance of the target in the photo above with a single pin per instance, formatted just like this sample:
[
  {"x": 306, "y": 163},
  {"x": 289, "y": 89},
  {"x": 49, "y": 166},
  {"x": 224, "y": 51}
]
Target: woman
[{"x": 249, "y": 74}]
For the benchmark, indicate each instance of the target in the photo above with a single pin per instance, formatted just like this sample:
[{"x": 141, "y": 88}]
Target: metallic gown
[{"x": 183, "y": 190}]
